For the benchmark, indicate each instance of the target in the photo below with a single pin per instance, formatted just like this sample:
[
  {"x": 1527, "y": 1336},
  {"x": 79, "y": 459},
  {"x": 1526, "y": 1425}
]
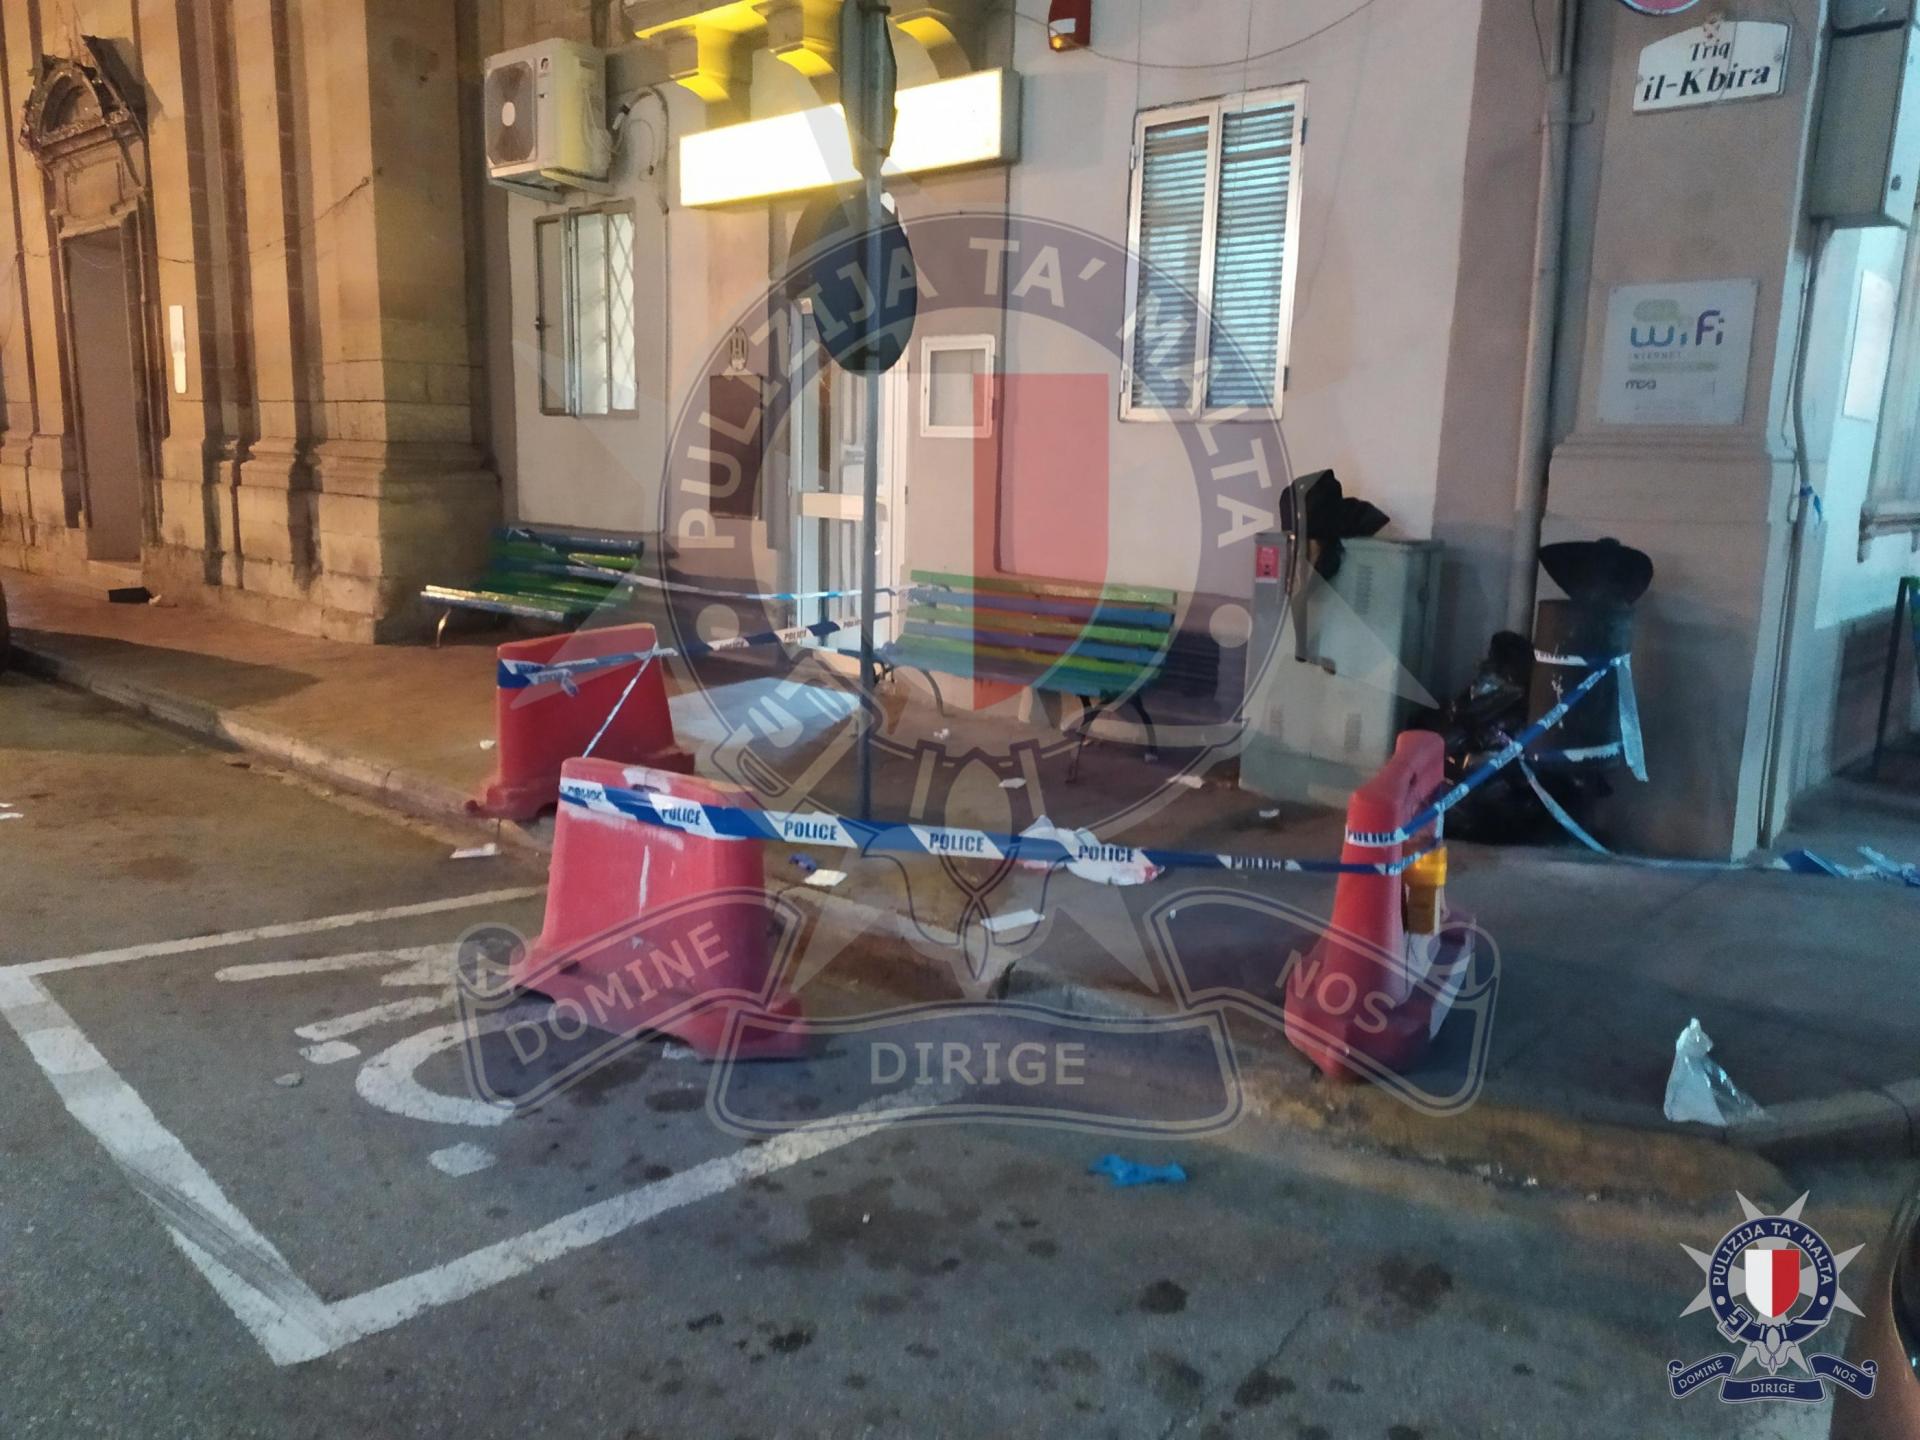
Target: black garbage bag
[
  {"x": 1476, "y": 725},
  {"x": 1332, "y": 517}
]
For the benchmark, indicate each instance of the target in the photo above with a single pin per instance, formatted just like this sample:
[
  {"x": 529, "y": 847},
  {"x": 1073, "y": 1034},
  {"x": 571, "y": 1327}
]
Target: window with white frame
[
  {"x": 1893, "y": 488},
  {"x": 1213, "y": 232},
  {"x": 585, "y": 319},
  {"x": 954, "y": 401}
]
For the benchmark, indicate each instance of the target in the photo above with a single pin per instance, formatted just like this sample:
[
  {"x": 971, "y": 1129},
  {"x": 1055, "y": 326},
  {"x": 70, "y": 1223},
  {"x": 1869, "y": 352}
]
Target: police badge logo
[
  {"x": 1773, "y": 1284},
  {"x": 757, "y": 509}
]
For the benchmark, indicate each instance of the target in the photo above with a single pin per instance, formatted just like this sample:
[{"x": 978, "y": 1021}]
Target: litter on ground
[
  {"x": 1131, "y": 1172},
  {"x": 1698, "y": 1089}
]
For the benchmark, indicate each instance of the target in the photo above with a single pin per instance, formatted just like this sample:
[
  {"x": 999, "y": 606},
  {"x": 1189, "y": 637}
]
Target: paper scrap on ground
[
  {"x": 1132, "y": 1172},
  {"x": 476, "y": 852},
  {"x": 1192, "y": 782},
  {"x": 465, "y": 1158},
  {"x": 1273, "y": 814},
  {"x": 1698, "y": 1090},
  {"x": 825, "y": 879},
  {"x": 487, "y": 744},
  {"x": 1014, "y": 784},
  {"x": 329, "y": 1052},
  {"x": 1018, "y": 920}
]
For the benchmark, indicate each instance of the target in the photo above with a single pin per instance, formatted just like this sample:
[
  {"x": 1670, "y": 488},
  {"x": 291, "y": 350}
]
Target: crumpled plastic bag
[{"x": 1699, "y": 1090}]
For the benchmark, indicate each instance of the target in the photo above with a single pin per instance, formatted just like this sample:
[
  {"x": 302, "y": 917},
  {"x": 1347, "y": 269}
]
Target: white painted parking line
[
  {"x": 288, "y": 1319},
  {"x": 390, "y": 1305},
  {"x": 411, "y": 956},
  {"x": 278, "y": 932},
  {"x": 341, "y": 1026},
  {"x": 283, "y": 1313}
]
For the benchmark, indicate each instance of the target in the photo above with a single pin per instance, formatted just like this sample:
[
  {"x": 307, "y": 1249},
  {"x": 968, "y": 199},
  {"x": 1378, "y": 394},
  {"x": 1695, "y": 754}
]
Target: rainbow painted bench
[
  {"x": 558, "y": 577},
  {"x": 1105, "y": 644}
]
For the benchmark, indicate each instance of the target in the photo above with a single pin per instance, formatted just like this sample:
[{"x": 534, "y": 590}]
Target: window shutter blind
[
  {"x": 1173, "y": 214},
  {"x": 1256, "y": 176}
]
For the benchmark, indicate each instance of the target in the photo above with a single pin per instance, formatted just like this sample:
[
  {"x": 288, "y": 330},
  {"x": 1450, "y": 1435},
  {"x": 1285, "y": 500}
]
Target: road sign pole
[
  {"x": 869, "y": 528},
  {"x": 868, "y": 78}
]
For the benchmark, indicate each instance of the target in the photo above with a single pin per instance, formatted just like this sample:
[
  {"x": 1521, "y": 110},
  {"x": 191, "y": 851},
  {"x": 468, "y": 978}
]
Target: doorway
[
  {"x": 107, "y": 391},
  {"x": 827, "y": 439}
]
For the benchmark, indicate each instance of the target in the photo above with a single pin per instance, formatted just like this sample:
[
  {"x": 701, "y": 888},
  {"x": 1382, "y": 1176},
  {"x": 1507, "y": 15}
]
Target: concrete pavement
[{"x": 195, "y": 1249}]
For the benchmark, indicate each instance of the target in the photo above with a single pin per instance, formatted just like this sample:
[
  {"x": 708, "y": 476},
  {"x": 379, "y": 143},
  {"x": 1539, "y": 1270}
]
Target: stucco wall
[
  {"x": 1708, "y": 193},
  {"x": 1388, "y": 100},
  {"x": 1389, "y": 96}
]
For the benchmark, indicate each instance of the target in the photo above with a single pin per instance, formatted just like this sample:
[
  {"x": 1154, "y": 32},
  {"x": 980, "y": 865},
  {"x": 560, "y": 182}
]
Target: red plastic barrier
[
  {"x": 541, "y": 726},
  {"x": 1370, "y": 997},
  {"x": 612, "y": 877}
]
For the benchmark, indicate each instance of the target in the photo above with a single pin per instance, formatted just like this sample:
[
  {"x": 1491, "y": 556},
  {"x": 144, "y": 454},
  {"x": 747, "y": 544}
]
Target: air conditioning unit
[
  {"x": 1321, "y": 725},
  {"x": 547, "y": 117}
]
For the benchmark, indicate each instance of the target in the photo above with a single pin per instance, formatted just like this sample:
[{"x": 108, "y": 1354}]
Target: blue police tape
[
  {"x": 1564, "y": 819},
  {"x": 726, "y": 822},
  {"x": 681, "y": 587},
  {"x": 1629, "y": 747},
  {"x": 1513, "y": 750},
  {"x": 523, "y": 674},
  {"x": 1055, "y": 847}
]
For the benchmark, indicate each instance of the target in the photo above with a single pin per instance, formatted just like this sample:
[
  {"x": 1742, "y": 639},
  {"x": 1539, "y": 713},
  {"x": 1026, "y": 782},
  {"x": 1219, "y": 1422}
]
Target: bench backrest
[{"x": 1049, "y": 634}]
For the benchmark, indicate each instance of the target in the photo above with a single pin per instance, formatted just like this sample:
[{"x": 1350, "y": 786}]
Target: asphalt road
[{"x": 246, "y": 1190}]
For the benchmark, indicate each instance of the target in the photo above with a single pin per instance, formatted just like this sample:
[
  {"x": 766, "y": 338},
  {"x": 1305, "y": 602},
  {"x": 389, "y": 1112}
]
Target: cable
[{"x": 1311, "y": 35}]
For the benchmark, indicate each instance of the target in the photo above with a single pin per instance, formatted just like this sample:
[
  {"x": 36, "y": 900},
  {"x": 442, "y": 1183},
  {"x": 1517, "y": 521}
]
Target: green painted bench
[
  {"x": 559, "y": 577},
  {"x": 1102, "y": 643}
]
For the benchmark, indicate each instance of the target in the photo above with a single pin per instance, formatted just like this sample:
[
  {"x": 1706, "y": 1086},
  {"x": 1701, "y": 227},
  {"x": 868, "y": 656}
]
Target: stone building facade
[{"x": 239, "y": 343}]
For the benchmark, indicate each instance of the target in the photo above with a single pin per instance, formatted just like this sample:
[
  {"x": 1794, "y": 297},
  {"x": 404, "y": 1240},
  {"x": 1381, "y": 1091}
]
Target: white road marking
[
  {"x": 364, "y": 960},
  {"x": 387, "y": 1080},
  {"x": 285, "y": 1315},
  {"x": 330, "y": 1053},
  {"x": 277, "y": 932},
  {"x": 342, "y": 1025},
  {"x": 466, "y": 1158},
  {"x": 390, "y": 1305}
]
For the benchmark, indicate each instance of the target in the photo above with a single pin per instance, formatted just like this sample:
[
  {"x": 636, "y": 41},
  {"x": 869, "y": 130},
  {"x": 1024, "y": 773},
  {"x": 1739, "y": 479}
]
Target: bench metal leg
[
  {"x": 889, "y": 669},
  {"x": 440, "y": 630},
  {"x": 939, "y": 700},
  {"x": 1153, "y": 741},
  {"x": 1089, "y": 712}
]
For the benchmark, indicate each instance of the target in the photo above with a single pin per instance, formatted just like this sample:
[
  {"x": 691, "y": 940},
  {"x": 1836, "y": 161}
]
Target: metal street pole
[
  {"x": 869, "y": 530},
  {"x": 867, "y": 90}
]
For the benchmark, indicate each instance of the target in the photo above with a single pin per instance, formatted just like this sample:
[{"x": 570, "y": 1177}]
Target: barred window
[{"x": 586, "y": 321}]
